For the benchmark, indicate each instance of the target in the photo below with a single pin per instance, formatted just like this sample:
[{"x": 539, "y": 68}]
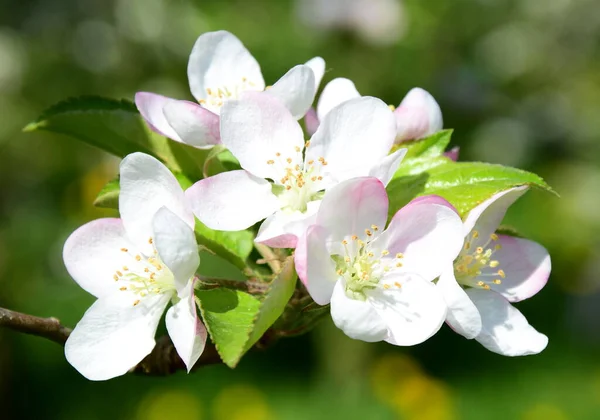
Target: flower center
[
  {"x": 362, "y": 268},
  {"x": 299, "y": 184},
  {"x": 472, "y": 267},
  {"x": 217, "y": 96},
  {"x": 145, "y": 275}
]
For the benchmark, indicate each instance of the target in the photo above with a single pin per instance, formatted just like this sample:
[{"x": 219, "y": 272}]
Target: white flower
[
  {"x": 379, "y": 282},
  {"x": 220, "y": 68},
  {"x": 491, "y": 271},
  {"x": 282, "y": 180},
  {"x": 134, "y": 266},
  {"x": 417, "y": 116}
]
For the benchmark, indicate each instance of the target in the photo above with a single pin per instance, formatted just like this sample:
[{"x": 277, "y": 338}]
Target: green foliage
[
  {"x": 236, "y": 319},
  {"x": 234, "y": 247},
  {"x": 429, "y": 147},
  {"x": 117, "y": 128},
  {"x": 464, "y": 184},
  {"x": 108, "y": 197}
]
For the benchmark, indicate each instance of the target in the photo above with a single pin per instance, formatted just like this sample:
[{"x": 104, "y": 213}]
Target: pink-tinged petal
[
  {"x": 314, "y": 265},
  {"x": 146, "y": 186},
  {"x": 335, "y": 92},
  {"x": 353, "y": 207},
  {"x": 92, "y": 255},
  {"x": 504, "y": 329},
  {"x": 463, "y": 316},
  {"x": 429, "y": 235},
  {"x": 114, "y": 335},
  {"x": 176, "y": 245},
  {"x": 358, "y": 319},
  {"x": 486, "y": 217},
  {"x": 525, "y": 265},
  {"x": 185, "y": 328},
  {"x": 417, "y": 116},
  {"x": 433, "y": 199},
  {"x": 385, "y": 170},
  {"x": 412, "y": 308},
  {"x": 193, "y": 124},
  {"x": 262, "y": 134},
  {"x": 232, "y": 200},
  {"x": 220, "y": 61},
  {"x": 311, "y": 121},
  {"x": 151, "y": 107},
  {"x": 296, "y": 90},
  {"x": 317, "y": 65},
  {"x": 453, "y": 153},
  {"x": 282, "y": 229},
  {"x": 353, "y": 137}
]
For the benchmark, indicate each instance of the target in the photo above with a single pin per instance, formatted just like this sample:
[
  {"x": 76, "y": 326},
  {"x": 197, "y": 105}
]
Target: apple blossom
[
  {"x": 379, "y": 282},
  {"x": 417, "y": 116},
  {"x": 282, "y": 177},
  {"x": 220, "y": 68},
  {"x": 491, "y": 271},
  {"x": 134, "y": 266}
]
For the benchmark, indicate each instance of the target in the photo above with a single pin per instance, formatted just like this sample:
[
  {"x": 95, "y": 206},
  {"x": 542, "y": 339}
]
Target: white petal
[
  {"x": 282, "y": 229},
  {"x": 386, "y": 169},
  {"x": 463, "y": 317},
  {"x": 186, "y": 330},
  {"x": 353, "y": 137},
  {"x": 317, "y": 65},
  {"x": 357, "y": 318},
  {"x": 311, "y": 121},
  {"x": 353, "y": 207},
  {"x": 220, "y": 60},
  {"x": 194, "y": 125},
  {"x": 486, "y": 217},
  {"x": 296, "y": 90},
  {"x": 413, "y": 312},
  {"x": 92, "y": 255},
  {"x": 314, "y": 265},
  {"x": 417, "y": 116},
  {"x": 146, "y": 186},
  {"x": 232, "y": 200},
  {"x": 176, "y": 245},
  {"x": 151, "y": 107},
  {"x": 504, "y": 329},
  {"x": 526, "y": 266},
  {"x": 428, "y": 234},
  {"x": 334, "y": 93},
  {"x": 258, "y": 128},
  {"x": 114, "y": 335}
]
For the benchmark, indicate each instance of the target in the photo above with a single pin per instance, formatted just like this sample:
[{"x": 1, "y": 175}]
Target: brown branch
[{"x": 163, "y": 360}]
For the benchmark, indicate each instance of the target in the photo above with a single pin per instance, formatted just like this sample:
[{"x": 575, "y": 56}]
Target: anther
[
  {"x": 344, "y": 242},
  {"x": 475, "y": 234},
  {"x": 320, "y": 178},
  {"x": 138, "y": 258},
  {"x": 368, "y": 232},
  {"x": 310, "y": 162},
  {"x": 136, "y": 302},
  {"x": 277, "y": 154},
  {"x": 307, "y": 144},
  {"x": 385, "y": 252},
  {"x": 479, "y": 250},
  {"x": 392, "y": 107},
  {"x": 399, "y": 255},
  {"x": 289, "y": 160},
  {"x": 270, "y": 162},
  {"x": 150, "y": 241},
  {"x": 116, "y": 277},
  {"x": 501, "y": 273},
  {"x": 119, "y": 273},
  {"x": 125, "y": 268},
  {"x": 354, "y": 237},
  {"x": 375, "y": 227},
  {"x": 494, "y": 263},
  {"x": 124, "y": 250},
  {"x": 480, "y": 283},
  {"x": 497, "y": 281},
  {"x": 398, "y": 285},
  {"x": 494, "y": 237},
  {"x": 386, "y": 286},
  {"x": 122, "y": 288},
  {"x": 297, "y": 149},
  {"x": 146, "y": 270},
  {"x": 498, "y": 247},
  {"x": 398, "y": 265}
]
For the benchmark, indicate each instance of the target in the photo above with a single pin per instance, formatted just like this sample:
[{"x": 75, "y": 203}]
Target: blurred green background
[{"x": 518, "y": 80}]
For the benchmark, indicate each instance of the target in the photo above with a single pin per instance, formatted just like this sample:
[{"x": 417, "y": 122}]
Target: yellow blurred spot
[
  {"x": 400, "y": 383},
  {"x": 174, "y": 404},
  {"x": 544, "y": 411},
  {"x": 241, "y": 402}
]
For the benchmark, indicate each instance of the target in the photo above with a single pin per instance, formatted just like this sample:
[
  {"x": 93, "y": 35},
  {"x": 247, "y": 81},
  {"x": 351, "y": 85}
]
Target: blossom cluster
[{"x": 387, "y": 277}]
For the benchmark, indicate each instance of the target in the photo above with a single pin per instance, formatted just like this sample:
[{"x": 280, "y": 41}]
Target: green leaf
[
  {"x": 234, "y": 247},
  {"x": 108, "y": 197},
  {"x": 229, "y": 316},
  {"x": 236, "y": 320},
  {"x": 275, "y": 301},
  {"x": 464, "y": 184},
  {"x": 429, "y": 147},
  {"x": 116, "y": 127}
]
